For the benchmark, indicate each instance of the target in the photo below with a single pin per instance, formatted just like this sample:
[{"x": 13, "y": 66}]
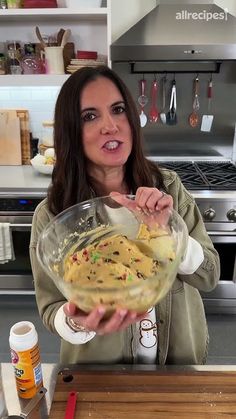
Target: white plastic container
[
  {"x": 25, "y": 358},
  {"x": 77, "y": 4}
]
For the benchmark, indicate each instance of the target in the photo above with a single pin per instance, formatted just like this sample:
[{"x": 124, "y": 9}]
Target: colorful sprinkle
[{"x": 95, "y": 257}]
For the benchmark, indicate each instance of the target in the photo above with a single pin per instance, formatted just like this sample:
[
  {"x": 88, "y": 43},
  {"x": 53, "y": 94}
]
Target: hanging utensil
[
  {"x": 162, "y": 114},
  {"x": 171, "y": 116},
  {"x": 40, "y": 38},
  {"x": 194, "y": 117},
  {"x": 153, "y": 113},
  {"x": 208, "y": 119},
  {"x": 142, "y": 100}
]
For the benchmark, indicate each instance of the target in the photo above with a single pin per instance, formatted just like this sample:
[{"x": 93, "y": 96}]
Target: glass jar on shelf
[
  {"x": 47, "y": 133},
  {"x": 3, "y": 4},
  {"x": 30, "y": 62},
  {"x": 14, "y": 57}
]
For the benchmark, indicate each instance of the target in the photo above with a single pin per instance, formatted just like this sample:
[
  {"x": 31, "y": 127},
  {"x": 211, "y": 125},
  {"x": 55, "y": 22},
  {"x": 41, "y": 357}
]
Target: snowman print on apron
[{"x": 148, "y": 332}]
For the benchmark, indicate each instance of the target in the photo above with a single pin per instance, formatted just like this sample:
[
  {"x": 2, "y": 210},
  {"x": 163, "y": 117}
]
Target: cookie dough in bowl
[{"x": 99, "y": 252}]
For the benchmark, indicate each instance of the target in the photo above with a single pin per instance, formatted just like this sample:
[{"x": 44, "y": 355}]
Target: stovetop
[{"x": 204, "y": 175}]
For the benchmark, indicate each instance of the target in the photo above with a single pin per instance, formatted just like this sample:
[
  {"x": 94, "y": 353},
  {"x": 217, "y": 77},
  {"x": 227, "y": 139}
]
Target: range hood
[{"x": 179, "y": 31}]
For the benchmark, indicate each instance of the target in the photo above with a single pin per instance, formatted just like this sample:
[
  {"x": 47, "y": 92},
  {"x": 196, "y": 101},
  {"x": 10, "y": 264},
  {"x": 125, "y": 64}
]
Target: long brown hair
[{"x": 70, "y": 180}]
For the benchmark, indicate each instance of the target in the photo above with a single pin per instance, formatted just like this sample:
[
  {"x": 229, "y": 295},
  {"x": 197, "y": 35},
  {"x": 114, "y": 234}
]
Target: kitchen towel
[{"x": 6, "y": 244}]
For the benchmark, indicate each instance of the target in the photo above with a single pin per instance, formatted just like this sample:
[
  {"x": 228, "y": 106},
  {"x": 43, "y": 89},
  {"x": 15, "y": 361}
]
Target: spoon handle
[
  {"x": 196, "y": 104},
  {"x": 153, "y": 114},
  {"x": 40, "y": 38},
  {"x": 209, "y": 95},
  {"x": 142, "y": 87},
  {"x": 65, "y": 37},
  {"x": 163, "y": 93},
  {"x": 71, "y": 405}
]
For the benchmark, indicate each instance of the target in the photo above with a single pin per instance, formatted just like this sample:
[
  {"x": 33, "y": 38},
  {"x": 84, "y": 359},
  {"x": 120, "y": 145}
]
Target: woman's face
[{"x": 107, "y": 138}]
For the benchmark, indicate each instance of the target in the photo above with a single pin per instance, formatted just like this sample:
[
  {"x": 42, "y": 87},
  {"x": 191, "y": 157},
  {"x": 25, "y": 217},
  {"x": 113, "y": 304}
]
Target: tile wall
[{"x": 39, "y": 100}]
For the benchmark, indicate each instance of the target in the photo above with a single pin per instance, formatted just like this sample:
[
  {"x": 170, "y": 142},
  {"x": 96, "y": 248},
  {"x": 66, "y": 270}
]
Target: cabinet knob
[
  {"x": 209, "y": 214},
  {"x": 231, "y": 215}
]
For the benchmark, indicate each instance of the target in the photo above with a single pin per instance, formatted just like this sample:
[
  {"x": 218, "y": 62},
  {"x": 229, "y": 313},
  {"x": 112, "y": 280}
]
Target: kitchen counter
[
  {"x": 50, "y": 376},
  {"x": 23, "y": 179}
]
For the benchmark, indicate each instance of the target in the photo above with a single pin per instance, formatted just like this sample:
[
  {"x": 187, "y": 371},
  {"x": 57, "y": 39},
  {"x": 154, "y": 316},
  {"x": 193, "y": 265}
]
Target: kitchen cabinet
[{"x": 90, "y": 30}]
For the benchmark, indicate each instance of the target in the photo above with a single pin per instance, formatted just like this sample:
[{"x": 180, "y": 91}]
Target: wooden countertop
[
  {"x": 133, "y": 392},
  {"x": 144, "y": 392}
]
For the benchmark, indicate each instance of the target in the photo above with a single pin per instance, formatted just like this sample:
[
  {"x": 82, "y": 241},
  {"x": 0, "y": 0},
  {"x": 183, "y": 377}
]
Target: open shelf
[
  {"x": 90, "y": 30},
  {"x": 33, "y": 79},
  {"x": 14, "y": 15}
]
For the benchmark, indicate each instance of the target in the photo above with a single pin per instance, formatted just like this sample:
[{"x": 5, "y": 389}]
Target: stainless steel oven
[
  {"x": 219, "y": 214},
  {"x": 213, "y": 185},
  {"x": 17, "y": 210}
]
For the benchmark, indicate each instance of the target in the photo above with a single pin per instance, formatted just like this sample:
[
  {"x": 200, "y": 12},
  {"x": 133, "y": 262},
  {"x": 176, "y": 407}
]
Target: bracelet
[{"x": 75, "y": 326}]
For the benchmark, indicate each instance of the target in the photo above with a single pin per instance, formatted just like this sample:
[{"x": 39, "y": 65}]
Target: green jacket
[{"x": 183, "y": 333}]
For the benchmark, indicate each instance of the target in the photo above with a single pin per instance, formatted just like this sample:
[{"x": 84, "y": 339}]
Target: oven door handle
[
  {"x": 221, "y": 233},
  {"x": 20, "y": 227}
]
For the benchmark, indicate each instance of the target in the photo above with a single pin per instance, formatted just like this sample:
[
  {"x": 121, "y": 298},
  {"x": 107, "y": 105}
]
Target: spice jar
[
  {"x": 47, "y": 133},
  {"x": 14, "y": 57}
]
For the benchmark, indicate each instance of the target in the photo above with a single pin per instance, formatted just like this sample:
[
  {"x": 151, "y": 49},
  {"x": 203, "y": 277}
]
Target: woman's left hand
[
  {"x": 95, "y": 320},
  {"x": 146, "y": 199}
]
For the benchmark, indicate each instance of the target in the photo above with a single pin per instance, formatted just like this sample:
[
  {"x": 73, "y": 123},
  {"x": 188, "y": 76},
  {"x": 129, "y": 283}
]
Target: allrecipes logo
[{"x": 203, "y": 15}]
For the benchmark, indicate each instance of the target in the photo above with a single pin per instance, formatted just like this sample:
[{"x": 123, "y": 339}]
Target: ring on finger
[
  {"x": 75, "y": 326},
  {"x": 162, "y": 194}
]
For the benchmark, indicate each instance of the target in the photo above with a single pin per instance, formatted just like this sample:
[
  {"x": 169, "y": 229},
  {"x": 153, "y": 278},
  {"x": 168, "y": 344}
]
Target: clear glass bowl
[{"x": 90, "y": 266}]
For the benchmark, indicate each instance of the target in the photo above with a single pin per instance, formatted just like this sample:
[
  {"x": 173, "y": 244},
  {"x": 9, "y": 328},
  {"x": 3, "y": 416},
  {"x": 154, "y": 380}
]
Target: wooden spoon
[
  {"x": 60, "y": 36},
  {"x": 65, "y": 37},
  {"x": 194, "y": 117},
  {"x": 40, "y": 38}
]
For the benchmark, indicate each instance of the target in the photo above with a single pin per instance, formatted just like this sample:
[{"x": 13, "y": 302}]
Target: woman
[{"x": 98, "y": 152}]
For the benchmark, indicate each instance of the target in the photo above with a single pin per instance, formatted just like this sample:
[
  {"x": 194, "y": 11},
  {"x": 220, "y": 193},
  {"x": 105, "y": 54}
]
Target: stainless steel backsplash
[{"x": 182, "y": 139}]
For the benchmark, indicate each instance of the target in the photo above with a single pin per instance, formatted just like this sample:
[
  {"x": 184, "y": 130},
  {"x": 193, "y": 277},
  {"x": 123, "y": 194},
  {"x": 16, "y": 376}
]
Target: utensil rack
[{"x": 217, "y": 65}]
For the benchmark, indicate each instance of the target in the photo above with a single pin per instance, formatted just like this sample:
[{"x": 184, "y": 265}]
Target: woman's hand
[
  {"x": 94, "y": 321},
  {"x": 146, "y": 199},
  {"x": 154, "y": 206}
]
